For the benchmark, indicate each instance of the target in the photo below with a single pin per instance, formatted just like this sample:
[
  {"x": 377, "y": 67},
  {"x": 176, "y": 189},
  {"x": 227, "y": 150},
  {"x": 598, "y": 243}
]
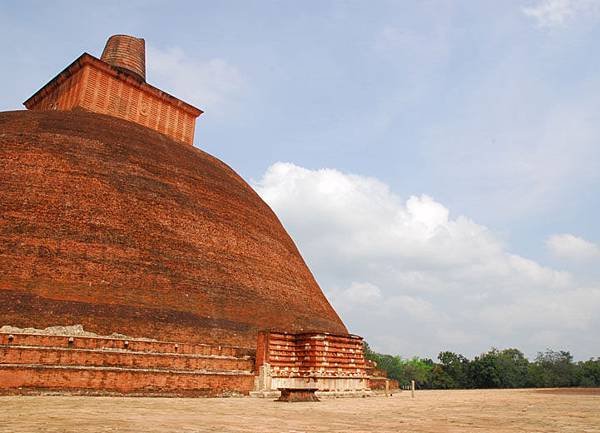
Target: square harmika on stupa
[{"x": 132, "y": 262}]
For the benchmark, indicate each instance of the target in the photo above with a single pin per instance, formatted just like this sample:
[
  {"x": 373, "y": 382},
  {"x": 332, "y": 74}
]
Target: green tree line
[{"x": 507, "y": 368}]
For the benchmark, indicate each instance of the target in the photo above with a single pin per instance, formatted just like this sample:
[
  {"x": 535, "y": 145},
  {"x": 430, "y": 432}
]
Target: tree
[
  {"x": 455, "y": 368},
  {"x": 418, "y": 370},
  {"x": 483, "y": 371},
  {"x": 588, "y": 373},
  {"x": 440, "y": 379},
  {"x": 506, "y": 368},
  {"x": 553, "y": 369},
  {"x": 402, "y": 370},
  {"x": 512, "y": 368},
  {"x": 392, "y": 365}
]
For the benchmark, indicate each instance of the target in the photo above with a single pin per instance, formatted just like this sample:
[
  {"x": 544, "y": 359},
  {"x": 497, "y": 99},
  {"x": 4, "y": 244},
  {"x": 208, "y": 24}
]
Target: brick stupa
[{"x": 183, "y": 280}]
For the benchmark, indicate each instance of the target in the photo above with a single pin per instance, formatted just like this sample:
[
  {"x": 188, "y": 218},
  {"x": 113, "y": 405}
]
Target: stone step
[
  {"x": 23, "y": 378},
  {"x": 15, "y": 354}
]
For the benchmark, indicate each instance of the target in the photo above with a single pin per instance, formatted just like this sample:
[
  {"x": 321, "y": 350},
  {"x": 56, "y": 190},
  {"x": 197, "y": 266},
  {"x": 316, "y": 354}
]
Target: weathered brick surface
[
  {"x": 93, "y": 85},
  {"x": 311, "y": 354},
  {"x": 101, "y": 351},
  {"x": 103, "y": 358},
  {"x": 23, "y": 379},
  {"x": 136, "y": 345},
  {"x": 114, "y": 226},
  {"x": 127, "y": 53},
  {"x": 30, "y": 362},
  {"x": 378, "y": 378},
  {"x": 378, "y": 383},
  {"x": 323, "y": 361}
]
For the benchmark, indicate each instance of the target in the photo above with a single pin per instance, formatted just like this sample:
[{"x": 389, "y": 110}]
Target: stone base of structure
[
  {"x": 274, "y": 395},
  {"x": 34, "y": 363},
  {"x": 40, "y": 361},
  {"x": 329, "y": 363},
  {"x": 291, "y": 395}
]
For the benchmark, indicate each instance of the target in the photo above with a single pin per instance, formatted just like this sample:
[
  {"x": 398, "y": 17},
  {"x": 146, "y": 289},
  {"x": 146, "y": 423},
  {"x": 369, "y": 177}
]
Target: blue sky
[{"x": 437, "y": 162}]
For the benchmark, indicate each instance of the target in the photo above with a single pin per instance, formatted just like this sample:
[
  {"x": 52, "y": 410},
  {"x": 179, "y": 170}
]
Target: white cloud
[
  {"x": 568, "y": 246},
  {"x": 556, "y": 13},
  {"x": 413, "y": 279},
  {"x": 550, "y": 13},
  {"x": 213, "y": 85}
]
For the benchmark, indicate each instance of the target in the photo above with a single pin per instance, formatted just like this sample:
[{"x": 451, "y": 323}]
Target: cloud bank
[
  {"x": 414, "y": 280},
  {"x": 571, "y": 247}
]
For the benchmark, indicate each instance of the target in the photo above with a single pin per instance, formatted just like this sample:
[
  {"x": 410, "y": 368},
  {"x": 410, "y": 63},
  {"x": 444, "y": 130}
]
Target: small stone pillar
[{"x": 263, "y": 382}]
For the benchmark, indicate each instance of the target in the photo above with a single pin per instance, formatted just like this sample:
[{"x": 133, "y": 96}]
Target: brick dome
[{"x": 114, "y": 226}]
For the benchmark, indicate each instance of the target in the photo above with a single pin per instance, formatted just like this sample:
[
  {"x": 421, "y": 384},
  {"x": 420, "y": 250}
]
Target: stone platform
[{"x": 291, "y": 395}]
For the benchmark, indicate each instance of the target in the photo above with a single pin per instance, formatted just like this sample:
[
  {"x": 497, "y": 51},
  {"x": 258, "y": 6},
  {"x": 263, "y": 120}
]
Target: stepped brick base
[
  {"x": 32, "y": 363},
  {"x": 378, "y": 380},
  {"x": 23, "y": 378},
  {"x": 333, "y": 365}
]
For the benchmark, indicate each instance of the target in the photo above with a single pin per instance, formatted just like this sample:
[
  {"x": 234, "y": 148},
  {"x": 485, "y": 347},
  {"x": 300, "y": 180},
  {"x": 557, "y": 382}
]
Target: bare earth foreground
[{"x": 430, "y": 411}]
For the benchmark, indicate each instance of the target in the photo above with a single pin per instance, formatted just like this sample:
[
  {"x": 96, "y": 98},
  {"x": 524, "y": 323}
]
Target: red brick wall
[
  {"x": 378, "y": 384},
  {"x": 25, "y": 379},
  {"x": 92, "y": 85},
  {"x": 67, "y": 96},
  {"x": 107, "y": 94},
  {"x": 136, "y": 345},
  {"x": 113, "y": 226},
  {"x": 83, "y": 357},
  {"x": 30, "y": 362}
]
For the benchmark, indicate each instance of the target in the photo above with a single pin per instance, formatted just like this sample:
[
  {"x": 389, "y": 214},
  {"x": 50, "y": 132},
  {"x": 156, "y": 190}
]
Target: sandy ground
[{"x": 430, "y": 411}]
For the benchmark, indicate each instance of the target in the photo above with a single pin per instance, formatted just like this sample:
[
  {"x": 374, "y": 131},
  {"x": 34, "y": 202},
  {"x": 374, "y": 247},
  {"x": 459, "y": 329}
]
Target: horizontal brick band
[{"x": 102, "y": 380}]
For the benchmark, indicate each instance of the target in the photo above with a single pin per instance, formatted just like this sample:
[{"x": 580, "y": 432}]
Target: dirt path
[{"x": 431, "y": 411}]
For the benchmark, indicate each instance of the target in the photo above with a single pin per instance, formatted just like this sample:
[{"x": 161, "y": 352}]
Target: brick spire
[
  {"x": 126, "y": 53},
  {"x": 116, "y": 85}
]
